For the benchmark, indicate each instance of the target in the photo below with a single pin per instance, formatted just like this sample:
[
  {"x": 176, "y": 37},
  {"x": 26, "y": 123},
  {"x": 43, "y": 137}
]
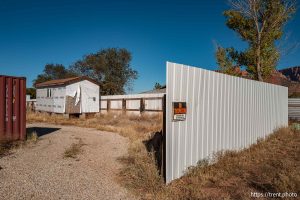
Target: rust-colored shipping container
[{"x": 12, "y": 108}]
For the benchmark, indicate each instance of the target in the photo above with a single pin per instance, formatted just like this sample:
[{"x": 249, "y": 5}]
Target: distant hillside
[
  {"x": 289, "y": 77},
  {"x": 279, "y": 78},
  {"x": 292, "y": 73}
]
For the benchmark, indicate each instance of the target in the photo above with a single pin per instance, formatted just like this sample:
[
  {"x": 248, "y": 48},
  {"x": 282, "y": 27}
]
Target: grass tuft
[
  {"x": 74, "y": 150},
  {"x": 32, "y": 137},
  {"x": 5, "y": 148}
]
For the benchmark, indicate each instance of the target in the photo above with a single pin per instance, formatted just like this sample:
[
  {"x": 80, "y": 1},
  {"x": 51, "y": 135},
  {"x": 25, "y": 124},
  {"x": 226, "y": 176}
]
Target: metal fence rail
[
  {"x": 294, "y": 108},
  {"x": 222, "y": 112},
  {"x": 137, "y": 103}
]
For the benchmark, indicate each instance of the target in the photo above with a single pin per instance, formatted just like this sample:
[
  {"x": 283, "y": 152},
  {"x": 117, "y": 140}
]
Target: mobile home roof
[{"x": 63, "y": 82}]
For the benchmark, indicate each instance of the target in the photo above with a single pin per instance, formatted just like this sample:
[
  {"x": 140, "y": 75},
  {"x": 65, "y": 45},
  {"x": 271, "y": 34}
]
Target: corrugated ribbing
[{"x": 223, "y": 112}]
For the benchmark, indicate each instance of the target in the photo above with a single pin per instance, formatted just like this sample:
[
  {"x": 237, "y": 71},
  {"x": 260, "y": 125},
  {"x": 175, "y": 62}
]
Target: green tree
[
  {"x": 31, "y": 92},
  {"x": 53, "y": 72},
  {"x": 157, "y": 86},
  {"x": 227, "y": 61},
  {"x": 110, "y": 67},
  {"x": 259, "y": 23}
]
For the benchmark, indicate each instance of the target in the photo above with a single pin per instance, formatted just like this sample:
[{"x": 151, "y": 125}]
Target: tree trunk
[
  {"x": 258, "y": 60},
  {"x": 258, "y": 67}
]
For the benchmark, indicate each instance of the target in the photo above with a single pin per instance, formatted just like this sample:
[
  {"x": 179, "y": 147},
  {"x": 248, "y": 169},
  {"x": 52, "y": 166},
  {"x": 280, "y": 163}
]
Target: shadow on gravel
[{"x": 40, "y": 131}]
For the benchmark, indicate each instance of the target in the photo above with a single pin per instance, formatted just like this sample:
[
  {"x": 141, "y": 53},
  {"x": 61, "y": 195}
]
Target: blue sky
[{"x": 33, "y": 33}]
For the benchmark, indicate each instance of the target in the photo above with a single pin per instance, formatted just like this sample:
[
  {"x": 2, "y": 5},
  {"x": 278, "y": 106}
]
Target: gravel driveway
[{"x": 40, "y": 171}]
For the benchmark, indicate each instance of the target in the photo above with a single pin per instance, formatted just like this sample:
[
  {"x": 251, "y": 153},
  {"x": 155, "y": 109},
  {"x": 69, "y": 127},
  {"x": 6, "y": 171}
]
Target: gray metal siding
[
  {"x": 294, "y": 108},
  {"x": 223, "y": 112}
]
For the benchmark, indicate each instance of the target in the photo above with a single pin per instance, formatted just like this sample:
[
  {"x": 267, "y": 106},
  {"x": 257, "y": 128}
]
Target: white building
[
  {"x": 75, "y": 95},
  {"x": 30, "y": 103}
]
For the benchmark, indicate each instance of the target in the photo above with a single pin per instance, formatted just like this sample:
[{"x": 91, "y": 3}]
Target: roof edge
[{"x": 68, "y": 82}]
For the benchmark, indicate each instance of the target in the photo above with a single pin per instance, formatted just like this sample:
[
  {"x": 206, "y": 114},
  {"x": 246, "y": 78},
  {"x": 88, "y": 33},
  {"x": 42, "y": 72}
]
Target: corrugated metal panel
[
  {"x": 12, "y": 108},
  {"x": 2, "y": 106},
  {"x": 294, "y": 108},
  {"x": 22, "y": 109},
  {"x": 223, "y": 112}
]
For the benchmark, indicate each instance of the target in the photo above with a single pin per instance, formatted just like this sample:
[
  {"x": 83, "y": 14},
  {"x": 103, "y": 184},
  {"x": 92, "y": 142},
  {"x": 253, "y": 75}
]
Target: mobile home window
[{"x": 49, "y": 92}]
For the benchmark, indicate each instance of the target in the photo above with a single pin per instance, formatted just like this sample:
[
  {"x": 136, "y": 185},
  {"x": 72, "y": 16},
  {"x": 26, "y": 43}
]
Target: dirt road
[{"x": 40, "y": 171}]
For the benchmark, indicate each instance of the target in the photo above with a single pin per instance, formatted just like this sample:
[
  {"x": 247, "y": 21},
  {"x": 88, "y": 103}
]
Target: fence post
[
  {"x": 162, "y": 103},
  {"x": 124, "y": 105},
  {"x": 108, "y": 105},
  {"x": 142, "y": 105}
]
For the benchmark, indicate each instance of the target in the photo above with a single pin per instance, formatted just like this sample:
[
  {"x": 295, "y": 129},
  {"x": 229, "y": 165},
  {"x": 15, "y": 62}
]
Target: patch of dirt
[{"x": 40, "y": 171}]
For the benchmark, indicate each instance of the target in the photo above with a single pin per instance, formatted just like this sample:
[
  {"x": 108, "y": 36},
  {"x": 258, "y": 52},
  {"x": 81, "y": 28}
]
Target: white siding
[
  {"x": 59, "y": 99},
  {"x": 55, "y": 103},
  {"x": 89, "y": 95},
  {"x": 223, "y": 112}
]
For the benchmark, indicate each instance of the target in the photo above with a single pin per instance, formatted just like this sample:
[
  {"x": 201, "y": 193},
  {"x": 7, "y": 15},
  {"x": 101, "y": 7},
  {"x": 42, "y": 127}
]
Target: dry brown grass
[
  {"x": 140, "y": 173},
  {"x": 272, "y": 165},
  {"x": 32, "y": 137},
  {"x": 74, "y": 150},
  {"x": 132, "y": 126}
]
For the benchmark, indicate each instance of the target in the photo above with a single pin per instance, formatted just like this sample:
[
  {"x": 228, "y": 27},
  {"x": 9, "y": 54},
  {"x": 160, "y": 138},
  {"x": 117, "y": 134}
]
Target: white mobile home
[{"x": 75, "y": 95}]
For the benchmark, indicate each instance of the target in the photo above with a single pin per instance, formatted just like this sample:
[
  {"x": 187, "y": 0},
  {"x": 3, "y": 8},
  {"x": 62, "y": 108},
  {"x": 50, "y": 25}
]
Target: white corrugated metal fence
[{"x": 223, "y": 112}]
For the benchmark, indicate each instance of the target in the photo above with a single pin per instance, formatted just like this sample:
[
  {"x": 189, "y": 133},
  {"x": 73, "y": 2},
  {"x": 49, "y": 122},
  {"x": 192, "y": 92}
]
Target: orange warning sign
[{"x": 179, "y": 111}]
